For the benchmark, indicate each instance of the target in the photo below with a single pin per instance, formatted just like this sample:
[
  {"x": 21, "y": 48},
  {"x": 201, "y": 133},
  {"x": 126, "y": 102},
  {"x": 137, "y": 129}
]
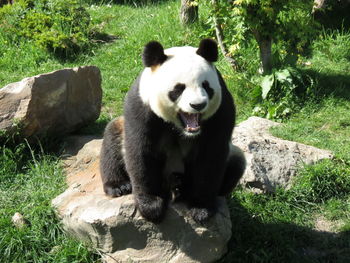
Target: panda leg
[
  {"x": 235, "y": 168},
  {"x": 115, "y": 179}
]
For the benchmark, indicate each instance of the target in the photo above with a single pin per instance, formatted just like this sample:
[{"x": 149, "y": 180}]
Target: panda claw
[
  {"x": 151, "y": 207},
  {"x": 123, "y": 189},
  {"x": 200, "y": 215},
  {"x": 113, "y": 192},
  {"x": 126, "y": 188}
]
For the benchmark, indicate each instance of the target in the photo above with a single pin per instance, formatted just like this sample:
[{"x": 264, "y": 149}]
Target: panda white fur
[{"x": 174, "y": 141}]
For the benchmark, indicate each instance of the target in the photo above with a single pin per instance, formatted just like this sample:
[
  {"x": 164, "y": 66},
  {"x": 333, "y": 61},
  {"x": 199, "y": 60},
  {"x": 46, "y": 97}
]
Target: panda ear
[
  {"x": 208, "y": 49},
  {"x": 153, "y": 54}
]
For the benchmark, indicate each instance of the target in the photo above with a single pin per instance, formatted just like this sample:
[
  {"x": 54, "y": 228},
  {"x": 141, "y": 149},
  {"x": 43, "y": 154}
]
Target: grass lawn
[{"x": 308, "y": 223}]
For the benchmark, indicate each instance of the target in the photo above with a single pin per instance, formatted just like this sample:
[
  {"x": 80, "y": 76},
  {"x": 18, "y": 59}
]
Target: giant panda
[{"x": 174, "y": 141}]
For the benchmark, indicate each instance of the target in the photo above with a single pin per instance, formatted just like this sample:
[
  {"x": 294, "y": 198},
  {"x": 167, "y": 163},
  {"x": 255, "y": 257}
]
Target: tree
[
  {"x": 188, "y": 11},
  {"x": 268, "y": 21},
  {"x": 220, "y": 36}
]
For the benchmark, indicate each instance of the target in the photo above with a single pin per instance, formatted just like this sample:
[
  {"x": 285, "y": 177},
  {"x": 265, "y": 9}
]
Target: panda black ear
[
  {"x": 153, "y": 54},
  {"x": 208, "y": 49}
]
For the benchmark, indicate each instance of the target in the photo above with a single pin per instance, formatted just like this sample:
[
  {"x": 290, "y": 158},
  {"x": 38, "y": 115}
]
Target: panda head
[{"x": 181, "y": 84}]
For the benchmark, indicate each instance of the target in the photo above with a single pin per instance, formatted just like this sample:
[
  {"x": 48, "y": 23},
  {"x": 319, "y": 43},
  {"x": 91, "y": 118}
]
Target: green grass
[
  {"x": 325, "y": 125},
  {"x": 281, "y": 227},
  {"x": 266, "y": 228},
  {"x": 28, "y": 183}
]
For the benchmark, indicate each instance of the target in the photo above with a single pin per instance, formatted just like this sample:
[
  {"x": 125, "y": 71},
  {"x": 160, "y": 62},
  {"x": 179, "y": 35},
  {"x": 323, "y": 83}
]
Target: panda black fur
[{"x": 175, "y": 136}]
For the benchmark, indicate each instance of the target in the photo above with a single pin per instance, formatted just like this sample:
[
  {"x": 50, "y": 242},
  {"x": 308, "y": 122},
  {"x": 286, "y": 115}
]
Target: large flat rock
[
  {"x": 53, "y": 103},
  {"x": 114, "y": 226}
]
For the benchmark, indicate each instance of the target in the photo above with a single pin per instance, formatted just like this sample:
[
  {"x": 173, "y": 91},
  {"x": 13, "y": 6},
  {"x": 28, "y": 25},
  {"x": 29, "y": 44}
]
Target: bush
[
  {"x": 281, "y": 93},
  {"x": 61, "y": 27},
  {"x": 10, "y": 17},
  {"x": 288, "y": 24}
]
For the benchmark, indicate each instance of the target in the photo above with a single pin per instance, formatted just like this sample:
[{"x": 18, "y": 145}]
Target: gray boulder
[
  {"x": 115, "y": 227},
  {"x": 52, "y": 104},
  {"x": 271, "y": 161},
  {"x": 79, "y": 151}
]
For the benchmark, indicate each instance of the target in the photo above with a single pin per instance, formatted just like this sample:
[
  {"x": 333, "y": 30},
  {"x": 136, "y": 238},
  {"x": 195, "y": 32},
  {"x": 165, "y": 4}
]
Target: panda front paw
[
  {"x": 151, "y": 207},
  {"x": 201, "y": 215},
  {"x": 116, "y": 191}
]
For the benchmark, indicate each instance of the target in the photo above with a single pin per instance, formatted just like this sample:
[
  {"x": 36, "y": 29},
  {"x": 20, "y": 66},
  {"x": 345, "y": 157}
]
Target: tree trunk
[
  {"x": 265, "y": 47},
  {"x": 220, "y": 39},
  {"x": 188, "y": 12}
]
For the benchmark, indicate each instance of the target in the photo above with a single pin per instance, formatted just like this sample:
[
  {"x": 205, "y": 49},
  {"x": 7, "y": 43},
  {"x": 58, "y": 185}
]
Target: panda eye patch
[
  {"x": 176, "y": 92},
  {"x": 208, "y": 89}
]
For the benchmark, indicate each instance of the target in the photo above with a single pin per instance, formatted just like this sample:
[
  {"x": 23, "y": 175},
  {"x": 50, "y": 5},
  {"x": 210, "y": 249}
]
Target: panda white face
[{"x": 184, "y": 89}]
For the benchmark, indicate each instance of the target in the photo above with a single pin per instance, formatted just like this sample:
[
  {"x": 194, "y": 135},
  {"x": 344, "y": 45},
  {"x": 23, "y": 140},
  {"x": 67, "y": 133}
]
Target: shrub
[
  {"x": 281, "y": 93},
  {"x": 61, "y": 27},
  {"x": 285, "y": 22},
  {"x": 10, "y": 17}
]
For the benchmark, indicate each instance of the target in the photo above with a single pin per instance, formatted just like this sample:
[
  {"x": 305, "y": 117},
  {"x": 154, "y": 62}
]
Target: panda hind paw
[
  {"x": 122, "y": 189},
  {"x": 151, "y": 207},
  {"x": 201, "y": 215}
]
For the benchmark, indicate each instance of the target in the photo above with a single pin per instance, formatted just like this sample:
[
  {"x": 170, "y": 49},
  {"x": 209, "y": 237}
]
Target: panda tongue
[{"x": 191, "y": 121}]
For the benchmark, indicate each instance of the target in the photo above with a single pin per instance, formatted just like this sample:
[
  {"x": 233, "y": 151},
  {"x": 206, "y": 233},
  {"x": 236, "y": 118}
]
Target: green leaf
[
  {"x": 283, "y": 76},
  {"x": 266, "y": 85},
  {"x": 271, "y": 112}
]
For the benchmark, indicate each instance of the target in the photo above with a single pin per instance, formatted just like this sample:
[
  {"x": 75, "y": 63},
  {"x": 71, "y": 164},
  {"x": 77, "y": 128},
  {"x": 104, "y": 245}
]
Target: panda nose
[{"x": 198, "y": 106}]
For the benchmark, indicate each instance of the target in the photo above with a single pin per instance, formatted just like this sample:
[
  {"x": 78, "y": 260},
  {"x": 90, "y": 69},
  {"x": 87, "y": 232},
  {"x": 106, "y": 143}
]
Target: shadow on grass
[
  {"x": 96, "y": 41},
  {"x": 52, "y": 144},
  {"x": 134, "y": 3},
  {"x": 330, "y": 84},
  {"x": 335, "y": 16},
  {"x": 255, "y": 241},
  {"x": 96, "y": 128}
]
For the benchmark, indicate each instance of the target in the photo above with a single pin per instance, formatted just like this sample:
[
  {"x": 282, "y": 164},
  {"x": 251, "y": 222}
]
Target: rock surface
[
  {"x": 80, "y": 151},
  {"x": 271, "y": 161},
  {"x": 54, "y": 103},
  {"x": 114, "y": 226},
  {"x": 19, "y": 221}
]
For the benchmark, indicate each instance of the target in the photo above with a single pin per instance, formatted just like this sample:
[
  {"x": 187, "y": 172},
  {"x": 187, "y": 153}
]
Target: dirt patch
[{"x": 324, "y": 225}]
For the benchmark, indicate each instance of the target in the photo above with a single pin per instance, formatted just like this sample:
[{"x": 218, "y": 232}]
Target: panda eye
[
  {"x": 208, "y": 89},
  {"x": 176, "y": 92}
]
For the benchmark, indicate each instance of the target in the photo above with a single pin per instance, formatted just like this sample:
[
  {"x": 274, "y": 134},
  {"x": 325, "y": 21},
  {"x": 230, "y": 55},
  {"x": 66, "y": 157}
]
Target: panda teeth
[{"x": 191, "y": 121}]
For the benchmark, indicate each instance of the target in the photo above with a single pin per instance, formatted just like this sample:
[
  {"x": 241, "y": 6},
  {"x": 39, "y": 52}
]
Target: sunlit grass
[{"x": 266, "y": 228}]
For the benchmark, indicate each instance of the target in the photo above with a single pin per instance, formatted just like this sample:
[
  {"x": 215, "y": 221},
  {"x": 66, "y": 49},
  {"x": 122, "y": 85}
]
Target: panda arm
[
  {"x": 143, "y": 161},
  {"x": 208, "y": 168},
  {"x": 144, "y": 165}
]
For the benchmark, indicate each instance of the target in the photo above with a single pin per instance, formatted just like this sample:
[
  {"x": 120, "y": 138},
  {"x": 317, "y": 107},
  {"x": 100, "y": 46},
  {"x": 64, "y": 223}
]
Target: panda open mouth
[{"x": 190, "y": 121}]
